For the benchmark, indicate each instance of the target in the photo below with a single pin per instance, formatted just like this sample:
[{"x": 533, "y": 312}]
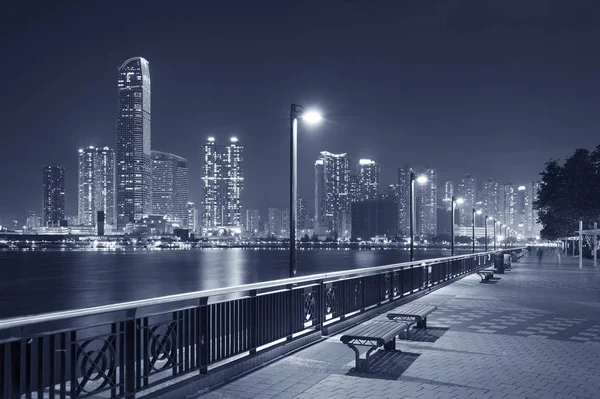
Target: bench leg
[
  {"x": 390, "y": 346},
  {"x": 422, "y": 323},
  {"x": 362, "y": 364}
]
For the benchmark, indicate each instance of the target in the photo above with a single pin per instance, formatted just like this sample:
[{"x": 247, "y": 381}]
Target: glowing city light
[
  {"x": 422, "y": 179},
  {"x": 312, "y": 117},
  {"x": 479, "y": 211},
  {"x": 234, "y": 139},
  {"x": 460, "y": 201},
  {"x": 211, "y": 139}
]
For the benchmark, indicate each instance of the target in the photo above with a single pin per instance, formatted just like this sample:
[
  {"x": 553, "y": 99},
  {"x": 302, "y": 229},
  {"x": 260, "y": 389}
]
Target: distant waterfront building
[
  {"x": 233, "y": 178},
  {"x": 491, "y": 198},
  {"x": 375, "y": 217},
  {"x": 33, "y": 221},
  {"x": 368, "y": 179},
  {"x": 222, "y": 185},
  {"x": 96, "y": 185},
  {"x": 354, "y": 189},
  {"x": 403, "y": 199},
  {"x": 332, "y": 202},
  {"x": 467, "y": 190},
  {"x": 275, "y": 222},
  {"x": 53, "y": 210},
  {"x": 302, "y": 222},
  {"x": 510, "y": 205},
  {"x": 285, "y": 223},
  {"x": 133, "y": 156},
  {"x": 448, "y": 193},
  {"x": 192, "y": 221},
  {"x": 426, "y": 204},
  {"x": 170, "y": 186},
  {"x": 252, "y": 227}
]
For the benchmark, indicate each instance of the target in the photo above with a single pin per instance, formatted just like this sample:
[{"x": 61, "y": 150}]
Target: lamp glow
[
  {"x": 479, "y": 211},
  {"x": 312, "y": 117},
  {"x": 460, "y": 201},
  {"x": 422, "y": 179}
]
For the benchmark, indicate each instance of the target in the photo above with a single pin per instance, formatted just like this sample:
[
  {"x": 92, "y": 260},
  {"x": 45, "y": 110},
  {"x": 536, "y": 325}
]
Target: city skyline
[{"x": 504, "y": 121}]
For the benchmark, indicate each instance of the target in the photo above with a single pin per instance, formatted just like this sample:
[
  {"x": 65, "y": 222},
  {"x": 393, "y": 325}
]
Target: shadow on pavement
[
  {"x": 387, "y": 365},
  {"x": 431, "y": 334}
]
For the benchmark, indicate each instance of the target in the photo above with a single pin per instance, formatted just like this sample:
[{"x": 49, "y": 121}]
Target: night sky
[{"x": 494, "y": 88}]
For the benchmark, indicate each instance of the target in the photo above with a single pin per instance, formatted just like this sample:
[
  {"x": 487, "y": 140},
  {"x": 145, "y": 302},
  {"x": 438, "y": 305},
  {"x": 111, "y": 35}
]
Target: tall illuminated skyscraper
[
  {"x": 86, "y": 193},
  {"x": 426, "y": 204},
  {"x": 368, "y": 179},
  {"x": 332, "y": 199},
  {"x": 491, "y": 199},
  {"x": 133, "y": 156},
  {"x": 96, "y": 185},
  {"x": 233, "y": 183},
  {"x": 252, "y": 222},
  {"x": 170, "y": 186},
  {"x": 467, "y": 190},
  {"x": 403, "y": 199},
  {"x": 53, "y": 210},
  {"x": 223, "y": 185}
]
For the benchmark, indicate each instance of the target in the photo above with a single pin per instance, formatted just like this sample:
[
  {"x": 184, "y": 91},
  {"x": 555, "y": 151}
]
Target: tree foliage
[{"x": 569, "y": 193}]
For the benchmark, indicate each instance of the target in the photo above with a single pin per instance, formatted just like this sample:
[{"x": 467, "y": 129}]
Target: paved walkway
[{"x": 534, "y": 333}]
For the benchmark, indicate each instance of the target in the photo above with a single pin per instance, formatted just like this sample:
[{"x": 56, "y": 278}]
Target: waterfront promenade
[{"x": 532, "y": 333}]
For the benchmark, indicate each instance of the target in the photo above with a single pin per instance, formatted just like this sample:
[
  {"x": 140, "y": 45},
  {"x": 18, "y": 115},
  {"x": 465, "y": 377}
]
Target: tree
[
  {"x": 462, "y": 239},
  {"x": 569, "y": 193},
  {"x": 305, "y": 238}
]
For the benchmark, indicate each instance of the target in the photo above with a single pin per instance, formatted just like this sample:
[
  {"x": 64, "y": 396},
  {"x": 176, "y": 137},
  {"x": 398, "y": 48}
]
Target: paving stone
[{"x": 533, "y": 334}]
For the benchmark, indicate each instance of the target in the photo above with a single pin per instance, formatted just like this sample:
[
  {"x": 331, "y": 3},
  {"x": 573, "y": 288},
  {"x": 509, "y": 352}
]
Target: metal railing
[{"x": 129, "y": 349}]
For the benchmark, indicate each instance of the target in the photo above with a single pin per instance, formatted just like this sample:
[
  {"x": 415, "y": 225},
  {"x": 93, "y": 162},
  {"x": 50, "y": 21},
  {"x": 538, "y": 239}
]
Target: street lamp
[
  {"x": 494, "y": 234},
  {"x": 312, "y": 118},
  {"x": 455, "y": 201},
  {"x": 478, "y": 212},
  {"x": 422, "y": 179}
]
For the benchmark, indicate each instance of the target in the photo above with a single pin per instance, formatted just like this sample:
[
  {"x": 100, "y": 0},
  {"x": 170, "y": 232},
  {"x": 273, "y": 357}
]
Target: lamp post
[
  {"x": 478, "y": 212},
  {"x": 485, "y": 225},
  {"x": 494, "y": 234},
  {"x": 310, "y": 117},
  {"x": 411, "y": 192},
  {"x": 506, "y": 236},
  {"x": 455, "y": 201}
]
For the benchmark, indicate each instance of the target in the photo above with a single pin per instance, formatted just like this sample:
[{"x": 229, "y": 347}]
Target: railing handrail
[{"x": 141, "y": 303}]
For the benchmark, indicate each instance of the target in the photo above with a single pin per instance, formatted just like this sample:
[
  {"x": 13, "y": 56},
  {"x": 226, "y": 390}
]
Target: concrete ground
[{"x": 532, "y": 333}]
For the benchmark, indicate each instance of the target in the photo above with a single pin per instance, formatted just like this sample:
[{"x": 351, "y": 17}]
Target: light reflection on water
[{"x": 42, "y": 281}]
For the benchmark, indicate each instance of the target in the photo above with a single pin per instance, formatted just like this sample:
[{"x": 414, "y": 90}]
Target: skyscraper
[
  {"x": 354, "y": 189},
  {"x": 467, "y": 190},
  {"x": 275, "y": 222},
  {"x": 86, "y": 194},
  {"x": 491, "y": 199},
  {"x": 133, "y": 156},
  {"x": 368, "y": 179},
  {"x": 96, "y": 185},
  {"x": 170, "y": 186},
  {"x": 332, "y": 183},
  {"x": 192, "y": 222},
  {"x": 222, "y": 184},
  {"x": 426, "y": 204},
  {"x": 233, "y": 179},
  {"x": 252, "y": 222},
  {"x": 403, "y": 199},
  {"x": 53, "y": 210},
  {"x": 302, "y": 214}
]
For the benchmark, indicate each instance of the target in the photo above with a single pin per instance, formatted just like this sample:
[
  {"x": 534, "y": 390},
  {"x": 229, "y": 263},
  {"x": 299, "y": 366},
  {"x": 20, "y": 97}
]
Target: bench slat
[{"x": 380, "y": 331}]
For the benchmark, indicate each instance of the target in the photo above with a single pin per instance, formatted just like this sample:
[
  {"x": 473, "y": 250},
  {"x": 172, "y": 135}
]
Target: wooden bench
[
  {"x": 375, "y": 334},
  {"x": 413, "y": 313},
  {"x": 486, "y": 275}
]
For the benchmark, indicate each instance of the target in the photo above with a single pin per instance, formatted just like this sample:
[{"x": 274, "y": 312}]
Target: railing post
[
  {"x": 253, "y": 321},
  {"x": 203, "y": 349},
  {"x": 130, "y": 354},
  {"x": 321, "y": 305},
  {"x": 292, "y": 311}
]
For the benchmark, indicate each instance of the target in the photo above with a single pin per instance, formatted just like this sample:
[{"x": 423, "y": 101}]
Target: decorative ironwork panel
[
  {"x": 373, "y": 292},
  {"x": 353, "y": 293},
  {"x": 397, "y": 284}
]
